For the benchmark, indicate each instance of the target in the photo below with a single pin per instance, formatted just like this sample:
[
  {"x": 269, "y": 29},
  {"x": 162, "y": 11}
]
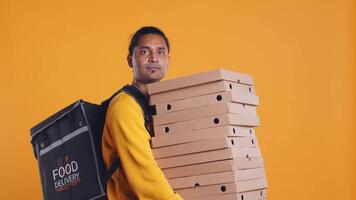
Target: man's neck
[{"x": 141, "y": 86}]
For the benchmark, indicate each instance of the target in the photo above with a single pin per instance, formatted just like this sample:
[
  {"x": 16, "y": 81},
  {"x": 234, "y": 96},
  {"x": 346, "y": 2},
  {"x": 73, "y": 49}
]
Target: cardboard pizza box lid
[
  {"x": 208, "y": 122},
  {"x": 199, "y": 90},
  {"x": 208, "y": 156},
  {"x": 213, "y": 167},
  {"x": 204, "y": 100},
  {"x": 220, "y": 189},
  {"x": 204, "y": 145},
  {"x": 202, "y": 134},
  {"x": 200, "y": 78},
  {"x": 217, "y": 178},
  {"x": 249, "y": 195},
  {"x": 201, "y": 112}
]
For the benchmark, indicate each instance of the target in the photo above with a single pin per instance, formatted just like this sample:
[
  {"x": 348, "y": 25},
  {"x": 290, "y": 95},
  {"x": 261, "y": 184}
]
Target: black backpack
[{"x": 67, "y": 146}]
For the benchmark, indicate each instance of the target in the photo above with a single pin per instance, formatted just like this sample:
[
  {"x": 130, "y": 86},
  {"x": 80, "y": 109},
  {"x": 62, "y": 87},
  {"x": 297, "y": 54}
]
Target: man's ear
[{"x": 129, "y": 60}]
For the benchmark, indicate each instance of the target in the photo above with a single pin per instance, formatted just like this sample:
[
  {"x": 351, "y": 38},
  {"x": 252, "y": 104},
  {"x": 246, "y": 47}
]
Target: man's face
[{"x": 150, "y": 59}]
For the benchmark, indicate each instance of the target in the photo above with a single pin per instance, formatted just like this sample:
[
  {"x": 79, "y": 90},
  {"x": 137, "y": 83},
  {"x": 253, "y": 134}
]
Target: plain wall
[{"x": 300, "y": 53}]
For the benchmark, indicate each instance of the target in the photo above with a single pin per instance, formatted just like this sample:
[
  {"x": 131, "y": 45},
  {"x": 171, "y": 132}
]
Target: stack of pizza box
[{"x": 205, "y": 140}]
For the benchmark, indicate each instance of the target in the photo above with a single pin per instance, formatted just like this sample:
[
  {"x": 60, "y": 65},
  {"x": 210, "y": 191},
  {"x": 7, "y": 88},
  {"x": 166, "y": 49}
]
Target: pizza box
[
  {"x": 204, "y": 145},
  {"x": 250, "y": 195},
  {"x": 213, "y": 167},
  {"x": 210, "y": 110},
  {"x": 216, "y": 178},
  {"x": 208, "y": 156},
  {"x": 197, "y": 79},
  {"x": 220, "y": 189},
  {"x": 207, "y": 122},
  {"x": 204, "y": 100},
  {"x": 199, "y": 90},
  {"x": 201, "y": 134}
]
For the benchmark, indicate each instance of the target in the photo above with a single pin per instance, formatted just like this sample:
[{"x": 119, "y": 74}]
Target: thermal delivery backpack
[{"x": 67, "y": 147}]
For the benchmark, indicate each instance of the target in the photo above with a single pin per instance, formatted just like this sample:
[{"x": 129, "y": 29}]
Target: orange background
[{"x": 300, "y": 53}]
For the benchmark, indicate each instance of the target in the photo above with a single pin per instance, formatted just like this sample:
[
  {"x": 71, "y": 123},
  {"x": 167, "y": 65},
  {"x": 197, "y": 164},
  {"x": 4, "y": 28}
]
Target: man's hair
[{"x": 144, "y": 31}]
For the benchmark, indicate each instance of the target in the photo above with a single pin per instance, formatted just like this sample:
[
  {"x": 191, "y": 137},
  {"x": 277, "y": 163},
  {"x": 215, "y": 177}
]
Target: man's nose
[{"x": 153, "y": 57}]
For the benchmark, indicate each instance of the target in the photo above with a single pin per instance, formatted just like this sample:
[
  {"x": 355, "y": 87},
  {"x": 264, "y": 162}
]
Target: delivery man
[{"x": 125, "y": 134}]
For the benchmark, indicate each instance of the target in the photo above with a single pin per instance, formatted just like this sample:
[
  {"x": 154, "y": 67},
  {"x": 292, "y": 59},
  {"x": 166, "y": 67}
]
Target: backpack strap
[
  {"x": 141, "y": 99},
  {"x": 143, "y": 102},
  {"x": 114, "y": 166}
]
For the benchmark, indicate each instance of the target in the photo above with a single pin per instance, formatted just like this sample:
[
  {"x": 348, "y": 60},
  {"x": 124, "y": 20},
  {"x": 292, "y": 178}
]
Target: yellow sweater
[{"x": 139, "y": 176}]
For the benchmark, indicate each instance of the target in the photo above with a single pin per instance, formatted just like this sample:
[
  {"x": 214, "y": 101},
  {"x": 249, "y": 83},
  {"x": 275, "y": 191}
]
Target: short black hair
[{"x": 144, "y": 31}]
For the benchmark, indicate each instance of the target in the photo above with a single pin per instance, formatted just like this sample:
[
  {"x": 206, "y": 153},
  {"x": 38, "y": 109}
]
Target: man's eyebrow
[
  {"x": 162, "y": 48},
  {"x": 143, "y": 47},
  {"x": 147, "y": 47}
]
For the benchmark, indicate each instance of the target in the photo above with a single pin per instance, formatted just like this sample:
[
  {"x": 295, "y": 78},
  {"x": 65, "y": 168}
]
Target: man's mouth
[{"x": 153, "y": 68}]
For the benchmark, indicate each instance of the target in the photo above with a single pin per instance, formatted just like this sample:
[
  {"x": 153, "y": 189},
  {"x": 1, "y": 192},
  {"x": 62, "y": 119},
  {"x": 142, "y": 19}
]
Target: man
[{"x": 125, "y": 134}]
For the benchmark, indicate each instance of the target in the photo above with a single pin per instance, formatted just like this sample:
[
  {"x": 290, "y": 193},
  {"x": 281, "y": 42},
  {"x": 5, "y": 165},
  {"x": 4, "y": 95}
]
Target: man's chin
[{"x": 153, "y": 79}]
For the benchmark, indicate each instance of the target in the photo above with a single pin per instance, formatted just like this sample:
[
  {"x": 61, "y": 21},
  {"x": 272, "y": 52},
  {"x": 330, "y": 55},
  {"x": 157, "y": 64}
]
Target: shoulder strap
[
  {"x": 140, "y": 99},
  {"x": 143, "y": 102}
]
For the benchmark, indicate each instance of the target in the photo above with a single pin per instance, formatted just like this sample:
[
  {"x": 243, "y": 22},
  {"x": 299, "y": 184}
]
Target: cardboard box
[
  {"x": 216, "y": 178},
  {"x": 204, "y": 145},
  {"x": 207, "y": 122},
  {"x": 196, "y": 79},
  {"x": 204, "y": 138},
  {"x": 205, "y": 100},
  {"x": 208, "y": 156},
  {"x": 250, "y": 195},
  {"x": 202, "y": 134},
  {"x": 213, "y": 167},
  {"x": 210, "y": 110},
  {"x": 198, "y": 90},
  {"x": 221, "y": 189}
]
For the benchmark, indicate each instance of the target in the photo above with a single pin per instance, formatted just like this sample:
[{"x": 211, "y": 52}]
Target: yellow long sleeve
[{"x": 139, "y": 176}]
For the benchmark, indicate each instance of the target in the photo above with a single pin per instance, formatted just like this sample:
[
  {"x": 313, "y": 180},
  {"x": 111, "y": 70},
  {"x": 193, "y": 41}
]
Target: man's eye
[
  {"x": 161, "y": 52},
  {"x": 144, "y": 51}
]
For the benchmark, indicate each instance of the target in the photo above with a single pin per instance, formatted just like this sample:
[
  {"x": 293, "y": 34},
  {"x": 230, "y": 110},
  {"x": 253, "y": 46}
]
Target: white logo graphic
[{"x": 66, "y": 175}]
